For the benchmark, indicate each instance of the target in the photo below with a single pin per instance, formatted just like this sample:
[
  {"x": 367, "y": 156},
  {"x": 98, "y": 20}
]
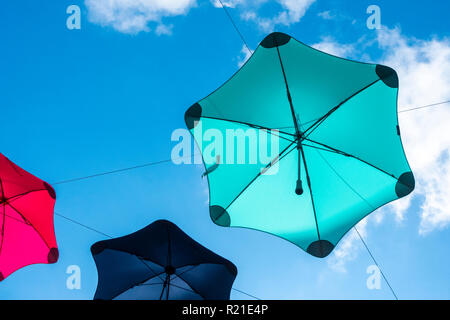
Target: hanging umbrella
[
  {"x": 26, "y": 221},
  {"x": 160, "y": 262},
  {"x": 340, "y": 152}
]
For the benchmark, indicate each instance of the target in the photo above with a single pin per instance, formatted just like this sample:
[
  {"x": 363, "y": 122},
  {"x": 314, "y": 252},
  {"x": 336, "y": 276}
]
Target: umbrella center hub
[
  {"x": 169, "y": 270},
  {"x": 300, "y": 137}
]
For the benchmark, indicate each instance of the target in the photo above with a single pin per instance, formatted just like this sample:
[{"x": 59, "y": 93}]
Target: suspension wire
[
  {"x": 112, "y": 172},
  {"x": 426, "y": 106},
  {"x": 110, "y": 237},
  {"x": 235, "y": 26},
  {"x": 123, "y": 169},
  {"x": 376, "y": 263}
]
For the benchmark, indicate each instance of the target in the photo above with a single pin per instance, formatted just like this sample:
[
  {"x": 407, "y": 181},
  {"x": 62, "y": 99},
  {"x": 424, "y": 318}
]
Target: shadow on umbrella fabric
[
  {"x": 160, "y": 262},
  {"x": 27, "y": 233},
  {"x": 341, "y": 155}
]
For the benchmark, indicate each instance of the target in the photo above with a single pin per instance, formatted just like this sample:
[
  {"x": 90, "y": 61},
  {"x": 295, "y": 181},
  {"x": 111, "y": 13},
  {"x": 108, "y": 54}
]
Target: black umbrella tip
[
  {"x": 320, "y": 248},
  {"x": 387, "y": 75},
  {"x": 405, "y": 184},
  {"x": 50, "y": 190},
  {"x": 98, "y": 248},
  {"x": 2, "y": 277},
  {"x": 275, "y": 39},
  {"x": 53, "y": 255},
  {"x": 233, "y": 269},
  {"x": 192, "y": 116}
]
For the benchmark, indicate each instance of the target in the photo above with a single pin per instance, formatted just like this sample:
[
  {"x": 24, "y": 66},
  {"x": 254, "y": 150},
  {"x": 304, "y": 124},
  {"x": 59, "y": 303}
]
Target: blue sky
[{"x": 108, "y": 96}]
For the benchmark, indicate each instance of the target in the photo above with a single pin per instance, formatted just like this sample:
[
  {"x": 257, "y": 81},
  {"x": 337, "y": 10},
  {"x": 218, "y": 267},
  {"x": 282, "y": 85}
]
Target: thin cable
[
  {"x": 112, "y": 172},
  {"x": 83, "y": 225},
  {"x": 376, "y": 263},
  {"x": 426, "y": 106},
  {"x": 121, "y": 170},
  {"x": 108, "y": 236},
  {"x": 235, "y": 26},
  {"x": 246, "y": 293}
]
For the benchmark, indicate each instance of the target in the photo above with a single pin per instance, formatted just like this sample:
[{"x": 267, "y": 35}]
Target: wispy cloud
[
  {"x": 424, "y": 71},
  {"x": 329, "y": 45},
  {"x": 245, "y": 55},
  {"x": 132, "y": 17},
  {"x": 326, "y": 15},
  {"x": 290, "y": 12}
]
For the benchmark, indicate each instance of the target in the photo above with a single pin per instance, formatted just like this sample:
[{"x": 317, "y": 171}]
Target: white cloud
[
  {"x": 329, "y": 45},
  {"x": 326, "y": 15},
  {"x": 292, "y": 11},
  {"x": 424, "y": 72},
  {"x": 245, "y": 55},
  {"x": 134, "y": 16}
]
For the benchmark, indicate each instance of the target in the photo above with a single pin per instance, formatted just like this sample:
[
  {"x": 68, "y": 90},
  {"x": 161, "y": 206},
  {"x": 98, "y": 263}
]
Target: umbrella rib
[
  {"x": 308, "y": 180},
  {"x": 318, "y": 122},
  {"x": 346, "y": 183},
  {"x": 134, "y": 285},
  {"x": 297, "y": 131},
  {"x": 29, "y": 223},
  {"x": 277, "y": 159},
  {"x": 256, "y": 126},
  {"x": 176, "y": 286},
  {"x": 164, "y": 287},
  {"x": 185, "y": 271},
  {"x": 155, "y": 273},
  {"x": 351, "y": 156},
  {"x": 192, "y": 289}
]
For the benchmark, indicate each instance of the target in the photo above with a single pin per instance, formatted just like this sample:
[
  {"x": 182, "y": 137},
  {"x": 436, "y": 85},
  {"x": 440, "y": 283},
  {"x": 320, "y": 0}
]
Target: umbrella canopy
[
  {"x": 340, "y": 152},
  {"x": 160, "y": 262},
  {"x": 27, "y": 235}
]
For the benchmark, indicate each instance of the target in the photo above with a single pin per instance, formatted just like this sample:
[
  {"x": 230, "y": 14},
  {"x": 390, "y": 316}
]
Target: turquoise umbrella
[{"x": 340, "y": 151}]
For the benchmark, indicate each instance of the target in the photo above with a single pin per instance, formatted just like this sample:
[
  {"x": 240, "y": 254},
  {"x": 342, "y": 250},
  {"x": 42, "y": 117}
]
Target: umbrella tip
[
  {"x": 387, "y": 75},
  {"x": 405, "y": 184},
  {"x": 299, "y": 188},
  {"x": 219, "y": 216},
  {"x": 53, "y": 255},
  {"x": 193, "y": 115},
  {"x": 2, "y": 277},
  {"x": 50, "y": 190},
  {"x": 275, "y": 39},
  {"x": 320, "y": 248}
]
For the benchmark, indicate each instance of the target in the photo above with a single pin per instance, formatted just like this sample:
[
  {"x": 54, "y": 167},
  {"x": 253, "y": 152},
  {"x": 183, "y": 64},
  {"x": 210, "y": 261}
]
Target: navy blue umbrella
[{"x": 160, "y": 262}]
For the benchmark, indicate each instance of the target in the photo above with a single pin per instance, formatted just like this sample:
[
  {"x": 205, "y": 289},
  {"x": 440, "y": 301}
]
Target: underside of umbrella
[
  {"x": 26, "y": 219},
  {"x": 340, "y": 151},
  {"x": 160, "y": 262}
]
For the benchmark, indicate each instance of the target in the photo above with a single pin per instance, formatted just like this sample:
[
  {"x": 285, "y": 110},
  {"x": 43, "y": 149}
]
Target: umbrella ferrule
[{"x": 299, "y": 187}]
